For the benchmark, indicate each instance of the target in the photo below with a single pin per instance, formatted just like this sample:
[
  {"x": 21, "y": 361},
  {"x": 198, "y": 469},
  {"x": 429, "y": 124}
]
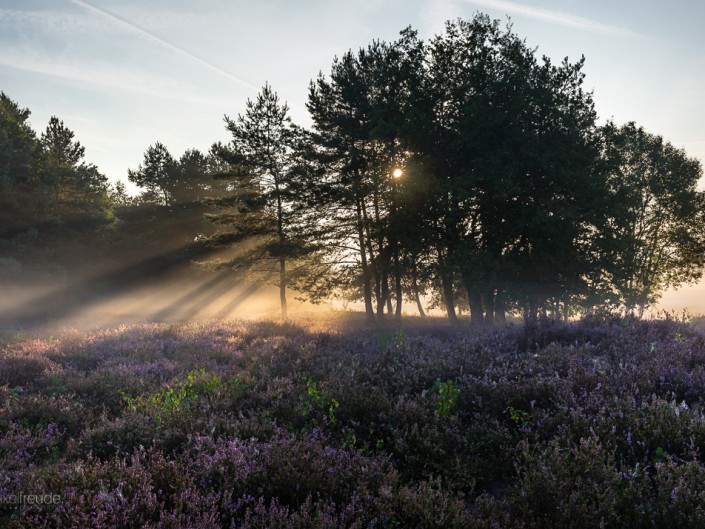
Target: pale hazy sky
[{"x": 125, "y": 73}]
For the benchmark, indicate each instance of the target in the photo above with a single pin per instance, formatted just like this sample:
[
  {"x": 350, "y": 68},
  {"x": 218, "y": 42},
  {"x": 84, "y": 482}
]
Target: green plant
[
  {"x": 447, "y": 401},
  {"x": 519, "y": 417},
  {"x": 167, "y": 403},
  {"x": 679, "y": 338},
  {"x": 315, "y": 400},
  {"x": 660, "y": 455},
  {"x": 350, "y": 438}
]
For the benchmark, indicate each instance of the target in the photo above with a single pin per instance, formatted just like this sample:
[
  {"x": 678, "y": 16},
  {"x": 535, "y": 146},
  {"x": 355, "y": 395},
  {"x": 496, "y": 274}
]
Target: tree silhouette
[{"x": 661, "y": 225}]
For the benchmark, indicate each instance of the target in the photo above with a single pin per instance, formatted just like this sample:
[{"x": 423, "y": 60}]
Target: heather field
[{"x": 597, "y": 423}]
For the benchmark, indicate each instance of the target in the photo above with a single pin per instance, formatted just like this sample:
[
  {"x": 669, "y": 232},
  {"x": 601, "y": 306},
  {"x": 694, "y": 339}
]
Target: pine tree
[
  {"x": 262, "y": 210},
  {"x": 80, "y": 190},
  {"x": 24, "y": 195}
]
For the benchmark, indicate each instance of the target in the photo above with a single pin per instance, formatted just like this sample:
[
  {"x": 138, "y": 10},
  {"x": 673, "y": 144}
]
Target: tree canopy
[{"x": 465, "y": 171}]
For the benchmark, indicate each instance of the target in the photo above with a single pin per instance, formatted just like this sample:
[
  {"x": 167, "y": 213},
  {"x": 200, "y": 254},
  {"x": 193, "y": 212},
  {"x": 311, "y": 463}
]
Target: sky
[{"x": 123, "y": 74}]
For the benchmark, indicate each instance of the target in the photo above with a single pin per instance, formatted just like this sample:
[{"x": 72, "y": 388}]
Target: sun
[{"x": 397, "y": 173}]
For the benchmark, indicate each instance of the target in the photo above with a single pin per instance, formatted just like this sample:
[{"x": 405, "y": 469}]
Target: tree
[
  {"x": 59, "y": 145},
  {"x": 541, "y": 199},
  {"x": 158, "y": 174},
  {"x": 660, "y": 224},
  {"x": 119, "y": 196},
  {"x": 264, "y": 181},
  {"x": 358, "y": 112},
  {"x": 508, "y": 145},
  {"x": 24, "y": 195},
  {"x": 181, "y": 185},
  {"x": 80, "y": 190},
  {"x": 194, "y": 181},
  {"x": 503, "y": 186},
  {"x": 170, "y": 211},
  {"x": 55, "y": 208}
]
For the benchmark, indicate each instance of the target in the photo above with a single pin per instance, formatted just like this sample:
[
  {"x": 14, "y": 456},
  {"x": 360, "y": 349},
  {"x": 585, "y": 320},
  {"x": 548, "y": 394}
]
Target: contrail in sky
[
  {"x": 554, "y": 17},
  {"x": 133, "y": 28}
]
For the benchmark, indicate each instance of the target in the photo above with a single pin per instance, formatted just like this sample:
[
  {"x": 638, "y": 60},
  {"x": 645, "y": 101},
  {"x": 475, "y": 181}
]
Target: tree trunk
[
  {"x": 389, "y": 300},
  {"x": 566, "y": 306},
  {"x": 415, "y": 283},
  {"x": 500, "y": 309},
  {"x": 282, "y": 286},
  {"x": 489, "y": 307},
  {"x": 530, "y": 311},
  {"x": 397, "y": 285},
  {"x": 366, "y": 286},
  {"x": 384, "y": 297},
  {"x": 374, "y": 261},
  {"x": 282, "y": 258},
  {"x": 447, "y": 281},
  {"x": 475, "y": 302}
]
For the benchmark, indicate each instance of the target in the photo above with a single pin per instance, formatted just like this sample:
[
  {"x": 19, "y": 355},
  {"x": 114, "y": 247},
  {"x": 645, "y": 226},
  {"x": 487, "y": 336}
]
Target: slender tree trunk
[
  {"x": 447, "y": 282},
  {"x": 500, "y": 309},
  {"x": 530, "y": 323},
  {"x": 397, "y": 285},
  {"x": 394, "y": 245},
  {"x": 384, "y": 297},
  {"x": 282, "y": 287},
  {"x": 475, "y": 301},
  {"x": 282, "y": 258},
  {"x": 381, "y": 300},
  {"x": 531, "y": 311},
  {"x": 489, "y": 307},
  {"x": 381, "y": 287},
  {"x": 366, "y": 286},
  {"x": 566, "y": 300},
  {"x": 417, "y": 296},
  {"x": 374, "y": 261},
  {"x": 388, "y": 299}
]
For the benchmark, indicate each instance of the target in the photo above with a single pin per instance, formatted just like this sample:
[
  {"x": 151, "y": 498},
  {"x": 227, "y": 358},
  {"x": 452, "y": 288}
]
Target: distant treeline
[{"x": 462, "y": 171}]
